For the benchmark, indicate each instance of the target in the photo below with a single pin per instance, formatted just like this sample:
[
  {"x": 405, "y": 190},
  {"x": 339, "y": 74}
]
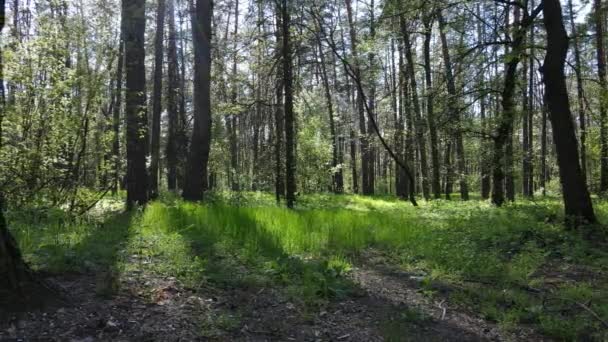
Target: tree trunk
[
  {"x": 453, "y": 109},
  {"x": 420, "y": 125},
  {"x": 286, "y": 54},
  {"x": 279, "y": 125},
  {"x": 157, "y": 100},
  {"x": 232, "y": 120},
  {"x": 430, "y": 115},
  {"x": 196, "y": 181},
  {"x": 172, "y": 106},
  {"x": 337, "y": 178},
  {"x": 577, "y": 202},
  {"x": 371, "y": 172},
  {"x": 598, "y": 17},
  {"x": 134, "y": 18},
  {"x": 363, "y": 141}
]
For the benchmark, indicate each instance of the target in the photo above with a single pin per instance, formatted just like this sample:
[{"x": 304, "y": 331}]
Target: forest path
[{"x": 388, "y": 306}]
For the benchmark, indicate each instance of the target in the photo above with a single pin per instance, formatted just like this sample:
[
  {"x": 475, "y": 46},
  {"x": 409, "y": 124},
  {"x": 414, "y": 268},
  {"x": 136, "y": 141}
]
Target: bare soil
[{"x": 388, "y": 307}]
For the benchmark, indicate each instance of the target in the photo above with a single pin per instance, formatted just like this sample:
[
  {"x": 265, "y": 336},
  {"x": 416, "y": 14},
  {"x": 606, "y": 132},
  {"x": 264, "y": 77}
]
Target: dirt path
[{"x": 389, "y": 307}]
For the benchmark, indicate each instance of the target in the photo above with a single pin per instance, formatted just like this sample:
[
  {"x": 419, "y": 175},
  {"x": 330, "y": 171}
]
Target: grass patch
[{"x": 497, "y": 257}]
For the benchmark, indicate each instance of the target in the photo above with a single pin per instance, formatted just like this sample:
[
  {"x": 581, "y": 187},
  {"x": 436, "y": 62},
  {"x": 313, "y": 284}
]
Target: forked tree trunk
[{"x": 577, "y": 202}]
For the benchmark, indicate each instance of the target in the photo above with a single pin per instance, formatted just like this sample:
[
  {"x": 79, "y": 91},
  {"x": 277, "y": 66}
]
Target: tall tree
[
  {"x": 453, "y": 109},
  {"x": 157, "y": 98},
  {"x": 580, "y": 94},
  {"x": 430, "y": 115},
  {"x": 134, "y": 19},
  {"x": 599, "y": 20},
  {"x": 577, "y": 202},
  {"x": 172, "y": 98},
  {"x": 232, "y": 120},
  {"x": 419, "y": 124},
  {"x": 363, "y": 141},
  {"x": 196, "y": 180},
  {"x": 286, "y": 56}
]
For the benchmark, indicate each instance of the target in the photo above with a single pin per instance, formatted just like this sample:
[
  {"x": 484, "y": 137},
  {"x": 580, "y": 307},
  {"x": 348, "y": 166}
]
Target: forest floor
[{"x": 242, "y": 269}]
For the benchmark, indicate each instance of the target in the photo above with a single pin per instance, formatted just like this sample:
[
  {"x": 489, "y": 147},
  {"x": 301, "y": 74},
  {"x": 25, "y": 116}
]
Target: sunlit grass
[{"x": 491, "y": 255}]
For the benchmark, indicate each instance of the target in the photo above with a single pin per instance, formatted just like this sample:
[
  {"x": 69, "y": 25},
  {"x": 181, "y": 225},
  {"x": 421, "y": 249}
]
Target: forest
[{"x": 303, "y": 170}]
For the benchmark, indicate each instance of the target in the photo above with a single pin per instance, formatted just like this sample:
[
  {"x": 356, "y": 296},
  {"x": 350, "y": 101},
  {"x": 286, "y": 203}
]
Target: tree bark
[
  {"x": 430, "y": 115},
  {"x": 363, "y": 141},
  {"x": 420, "y": 125},
  {"x": 157, "y": 100},
  {"x": 453, "y": 109},
  {"x": 232, "y": 120},
  {"x": 134, "y": 18},
  {"x": 196, "y": 181},
  {"x": 598, "y": 17},
  {"x": 172, "y": 94},
  {"x": 577, "y": 202},
  {"x": 286, "y": 54},
  {"x": 580, "y": 94}
]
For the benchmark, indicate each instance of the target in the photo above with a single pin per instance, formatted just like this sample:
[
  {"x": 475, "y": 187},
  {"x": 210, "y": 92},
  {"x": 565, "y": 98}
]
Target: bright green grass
[{"x": 492, "y": 257}]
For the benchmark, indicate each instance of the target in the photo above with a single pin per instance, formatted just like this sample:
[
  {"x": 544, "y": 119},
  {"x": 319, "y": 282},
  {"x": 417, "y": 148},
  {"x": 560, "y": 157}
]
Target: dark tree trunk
[
  {"x": 430, "y": 115},
  {"x": 337, "y": 178},
  {"x": 279, "y": 125},
  {"x": 157, "y": 100},
  {"x": 286, "y": 52},
  {"x": 598, "y": 17},
  {"x": 577, "y": 202},
  {"x": 134, "y": 19},
  {"x": 116, "y": 109},
  {"x": 196, "y": 181},
  {"x": 371, "y": 172},
  {"x": 456, "y": 133},
  {"x": 483, "y": 161},
  {"x": 172, "y": 106},
  {"x": 363, "y": 141},
  {"x": 579, "y": 92},
  {"x": 232, "y": 120},
  {"x": 420, "y": 125}
]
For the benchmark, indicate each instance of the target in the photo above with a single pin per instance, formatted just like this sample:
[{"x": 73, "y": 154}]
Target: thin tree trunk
[
  {"x": 196, "y": 181},
  {"x": 453, "y": 109},
  {"x": 172, "y": 105},
  {"x": 363, "y": 141},
  {"x": 579, "y": 91},
  {"x": 232, "y": 120},
  {"x": 430, "y": 115},
  {"x": 598, "y": 17},
  {"x": 420, "y": 125},
  {"x": 577, "y": 202},
  {"x": 286, "y": 52},
  {"x": 157, "y": 98},
  {"x": 337, "y": 178}
]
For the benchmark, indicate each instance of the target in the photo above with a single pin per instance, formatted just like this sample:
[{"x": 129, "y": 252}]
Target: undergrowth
[{"x": 513, "y": 265}]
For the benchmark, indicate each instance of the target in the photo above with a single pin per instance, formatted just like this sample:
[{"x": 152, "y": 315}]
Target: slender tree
[
  {"x": 157, "y": 98},
  {"x": 172, "y": 99},
  {"x": 286, "y": 56}
]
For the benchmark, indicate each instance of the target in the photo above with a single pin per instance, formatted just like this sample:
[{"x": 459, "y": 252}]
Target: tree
[
  {"x": 134, "y": 19},
  {"x": 196, "y": 181},
  {"x": 172, "y": 98},
  {"x": 453, "y": 109},
  {"x": 286, "y": 56},
  {"x": 598, "y": 17},
  {"x": 157, "y": 98},
  {"x": 577, "y": 202}
]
